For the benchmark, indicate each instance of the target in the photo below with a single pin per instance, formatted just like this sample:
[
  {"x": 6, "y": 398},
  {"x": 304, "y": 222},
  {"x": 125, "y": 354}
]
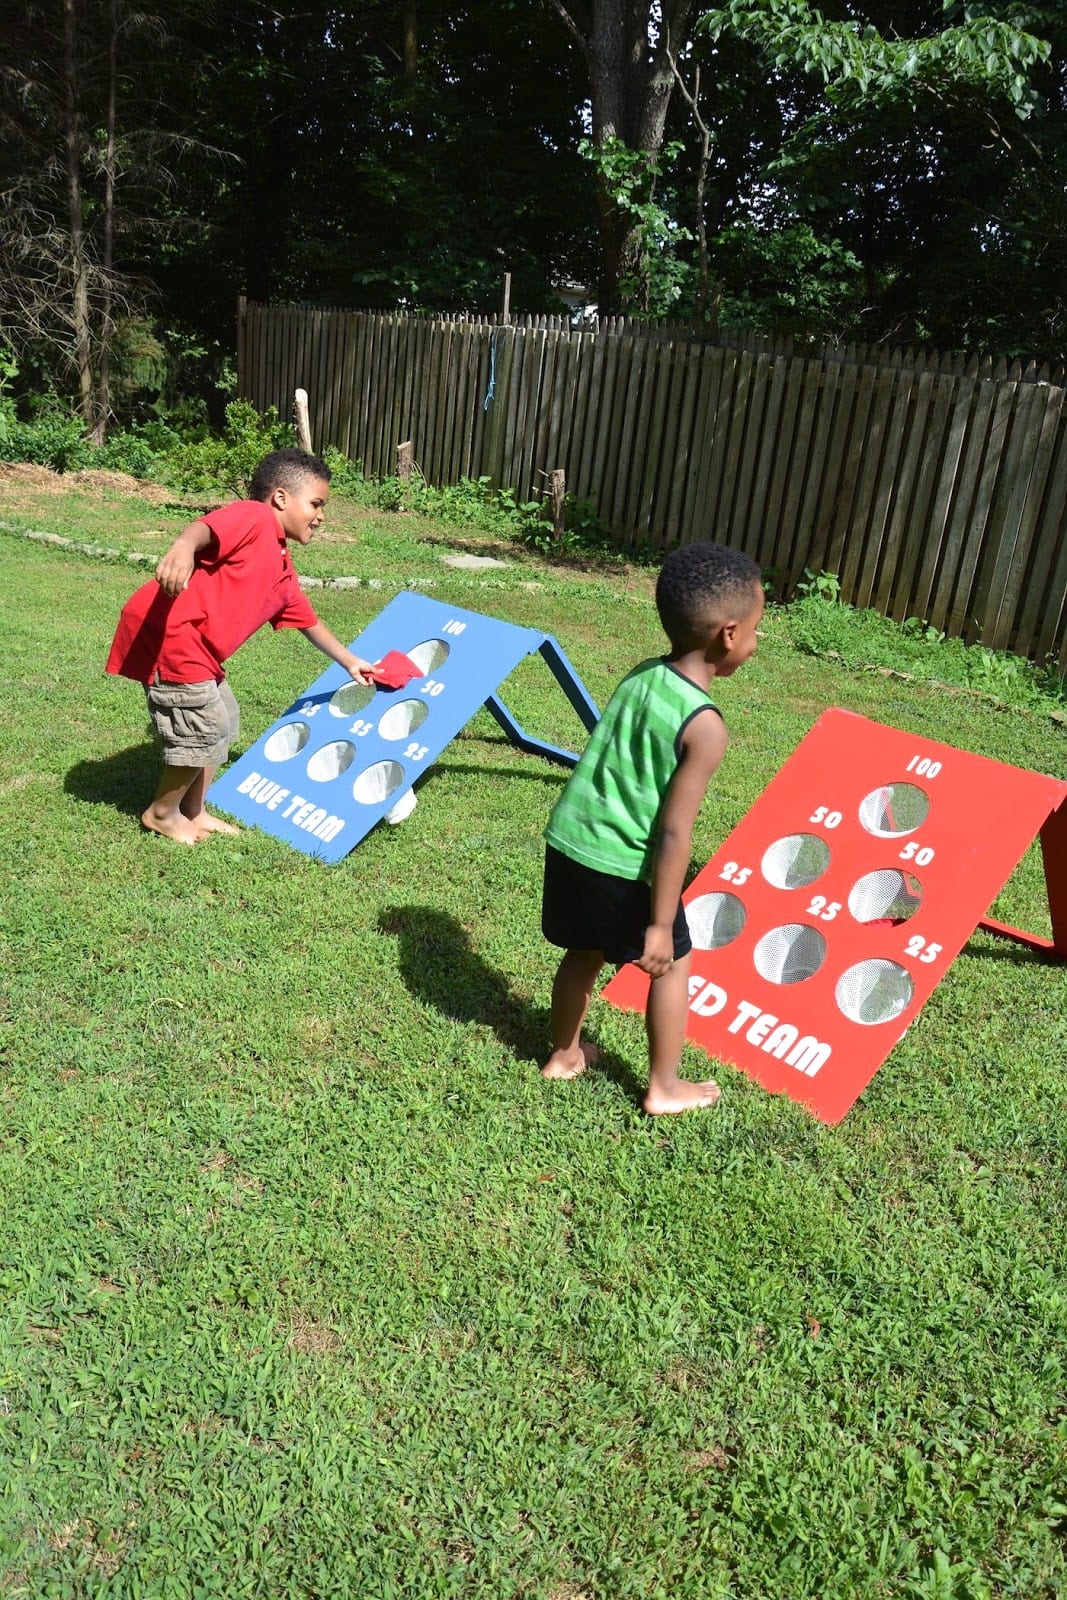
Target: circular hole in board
[
  {"x": 352, "y": 698},
  {"x": 429, "y": 655},
  {"x": 894, "y": 809},
  {"x": 403, "y": 718},
  {"x": 873, "y": 991},
  {"x": 287, "y": 741},
  {"x": 885, "y": 896},
  {"x": 377, "y": 783},
  {"x": 714, "y": 920},
  {"x": 795, "y": 861},
  {"x": 789, "y": 954},
  {"x": 331, "y": 760}
]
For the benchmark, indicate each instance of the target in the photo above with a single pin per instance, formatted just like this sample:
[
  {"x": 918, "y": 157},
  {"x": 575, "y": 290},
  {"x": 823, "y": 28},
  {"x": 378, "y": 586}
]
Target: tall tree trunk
[
  {"x": 79, "y": 262},
  {"x": 410, "y": 24},
  {"x": 103, "y": 380},
  {"x": 631, "y": 80}
]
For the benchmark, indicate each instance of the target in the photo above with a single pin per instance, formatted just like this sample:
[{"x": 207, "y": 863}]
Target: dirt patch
[{"x": 44, "y": 481}]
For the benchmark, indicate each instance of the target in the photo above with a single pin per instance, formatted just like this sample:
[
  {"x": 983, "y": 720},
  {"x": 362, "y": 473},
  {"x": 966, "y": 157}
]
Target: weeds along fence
[{"x": 933, "y": 486}]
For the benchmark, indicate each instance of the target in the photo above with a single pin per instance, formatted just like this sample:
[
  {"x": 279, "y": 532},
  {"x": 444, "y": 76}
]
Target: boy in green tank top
[{"x": 620, "y": 835}]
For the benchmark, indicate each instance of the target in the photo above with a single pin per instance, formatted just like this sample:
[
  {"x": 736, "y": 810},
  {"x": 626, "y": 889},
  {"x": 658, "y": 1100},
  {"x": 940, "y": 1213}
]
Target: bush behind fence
[{"x": 934, "y": 486}]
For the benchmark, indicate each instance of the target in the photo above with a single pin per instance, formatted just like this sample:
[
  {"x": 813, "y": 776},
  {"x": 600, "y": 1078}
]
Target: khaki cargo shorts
[{"x": 196, "y": 722}]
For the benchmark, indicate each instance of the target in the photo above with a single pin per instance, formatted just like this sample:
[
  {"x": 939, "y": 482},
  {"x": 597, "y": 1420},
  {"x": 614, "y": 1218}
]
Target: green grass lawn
[{"x": 313, "y": 1287}]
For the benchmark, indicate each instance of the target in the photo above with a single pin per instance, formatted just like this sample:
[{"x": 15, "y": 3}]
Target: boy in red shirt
[{"x": 225, "y": 575}]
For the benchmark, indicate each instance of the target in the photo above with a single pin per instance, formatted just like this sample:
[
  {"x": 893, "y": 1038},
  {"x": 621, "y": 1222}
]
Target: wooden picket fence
[{"x": 934, "y": 486}]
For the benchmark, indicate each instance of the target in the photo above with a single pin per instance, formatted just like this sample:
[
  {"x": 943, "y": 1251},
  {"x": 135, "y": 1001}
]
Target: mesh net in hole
[
  {"x": 287, "y": 741},
  {"x": 714, "y": 920},
  {"x": 377, "y": 783},
  {"x": 402, "y": 719},
  {"x": 795, "y": 861},
  {"x": 885, "y": 896},
  {"x": 894, "y": 809},
  {"x": 429, "y": 655},
  {"x": 789, "y": 954},
  {"x": 874, "y": 991},
  {"x": 352, "y": 698},
  {"x": 331, "y": 761}
]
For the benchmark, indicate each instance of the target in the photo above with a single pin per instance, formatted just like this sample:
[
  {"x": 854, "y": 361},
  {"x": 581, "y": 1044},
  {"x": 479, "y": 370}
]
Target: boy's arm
[
  {"x": 330, "y": 645},
  {"x": 703, "y": 746},
  {"x": 176, "y": 568}
]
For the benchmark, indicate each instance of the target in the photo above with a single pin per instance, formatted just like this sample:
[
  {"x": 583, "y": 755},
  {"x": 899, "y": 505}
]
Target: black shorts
[{"x": 583, "y": 909}]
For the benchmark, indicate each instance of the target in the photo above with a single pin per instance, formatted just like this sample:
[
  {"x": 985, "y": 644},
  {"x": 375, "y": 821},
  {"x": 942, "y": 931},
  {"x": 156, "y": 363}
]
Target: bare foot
[
  {"x": 570, "y": 1063},
  {"x": 173, "y": 826},
  {"x": 205, "y": 824},
  {"x": 684, "y": 1096}
]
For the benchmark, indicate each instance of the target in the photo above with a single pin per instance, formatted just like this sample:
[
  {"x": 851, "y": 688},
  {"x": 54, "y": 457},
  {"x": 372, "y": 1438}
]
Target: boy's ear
[{"x": 279, "y": 497}]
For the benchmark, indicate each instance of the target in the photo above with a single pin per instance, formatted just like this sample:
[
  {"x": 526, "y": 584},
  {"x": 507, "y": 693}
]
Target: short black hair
[
  {"x": 700, "y": 585},
  {"x": 285, "y": 469}
]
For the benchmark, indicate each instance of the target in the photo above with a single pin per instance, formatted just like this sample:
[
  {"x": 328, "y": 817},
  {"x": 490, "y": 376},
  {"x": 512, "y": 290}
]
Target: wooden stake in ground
[
  {"x": 556, "y": 494},
  {"x": 303, "y": 423},
  {"x": 405, "y": 465}
]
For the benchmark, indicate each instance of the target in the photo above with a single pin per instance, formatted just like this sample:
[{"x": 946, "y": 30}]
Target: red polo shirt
[{"x": 243, "y": 578}]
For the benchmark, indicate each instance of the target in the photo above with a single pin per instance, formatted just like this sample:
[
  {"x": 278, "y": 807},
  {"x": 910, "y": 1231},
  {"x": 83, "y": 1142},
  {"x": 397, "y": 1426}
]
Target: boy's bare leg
[
  {"x": 165, "y": 814},
  {"x": 193, "y": 806},
  {"x": 668, "y": 999},
  {"x": 572, "y": 990}
]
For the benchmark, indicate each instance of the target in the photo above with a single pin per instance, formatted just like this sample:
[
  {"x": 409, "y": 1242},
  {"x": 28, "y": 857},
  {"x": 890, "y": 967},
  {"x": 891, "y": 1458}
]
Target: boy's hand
[
  {"x": 359, "y": 669},
  {"x": 658, "y": 954},
  {"x": 176, "y": 568}
]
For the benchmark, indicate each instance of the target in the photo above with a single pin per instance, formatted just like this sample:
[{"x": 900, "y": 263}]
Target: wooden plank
[
  {"x": 1050, "y": 637},
  {"x": 449, "y": 407},
  {"x": 560, "y": 426},
  {"x": 619, "y": 359},
  {"x": 526, "y": 413},
  {"x": 632, "y": 400},
  {"x": 527, "y": 357},
  {"x": 788, "y": 539},
  {"x": 765, "y": 530},
  {"x": 655, "y": 427},
  {"x": 910, "y": 459},
  {"x": 860, "y": 550},
  {"x": 848, "y": 523},
  {"x": 920, "y": 534},
  {"x": 963, "y": 538},
  {"x": 995, "y": 599},
  {"x": 1028, "y": 560},
  {"x": 812, "y": 497},
  {"x": 1049, "y": 539},
  {"x": 679, "y": 464},
  {"x": 370, "y": 362},
  {"x": 751, "y": 449},
  {"x": 348, "y": 382},
  {"x": 968, "y": 575},
  {"x": 754, "y": 536},
  {"x": 716, "y": 495},
  {"x": 938, "y": 555},
  {"x": 836, "y": 487},
  {"x": 694, "y": 521},
  {"x": 600, "y": 394},
  {"x": 483, "y": 339}
]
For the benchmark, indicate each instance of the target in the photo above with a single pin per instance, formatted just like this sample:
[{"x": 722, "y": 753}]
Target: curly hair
[
  {"x": 700, "y": 585},
  {"x": 285, "y": 469}
]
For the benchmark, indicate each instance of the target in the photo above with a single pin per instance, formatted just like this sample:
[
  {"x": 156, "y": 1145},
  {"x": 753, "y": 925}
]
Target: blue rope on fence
[{"x": 491, "y": 391}]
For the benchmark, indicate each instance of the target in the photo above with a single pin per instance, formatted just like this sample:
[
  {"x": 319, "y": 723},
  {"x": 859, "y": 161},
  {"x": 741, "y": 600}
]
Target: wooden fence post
[
  {"x": 303, "y": 422},
  {"x": 405, "y": 463},
  {"x": 556, "y": 494}
]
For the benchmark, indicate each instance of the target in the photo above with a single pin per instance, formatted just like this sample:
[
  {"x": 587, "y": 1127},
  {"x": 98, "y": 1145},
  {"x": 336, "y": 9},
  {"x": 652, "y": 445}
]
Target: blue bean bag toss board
[{"x": 344, "y": 753}]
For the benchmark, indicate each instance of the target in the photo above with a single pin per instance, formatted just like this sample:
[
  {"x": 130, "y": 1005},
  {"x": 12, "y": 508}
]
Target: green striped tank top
[{"x": 608, "y": 815}]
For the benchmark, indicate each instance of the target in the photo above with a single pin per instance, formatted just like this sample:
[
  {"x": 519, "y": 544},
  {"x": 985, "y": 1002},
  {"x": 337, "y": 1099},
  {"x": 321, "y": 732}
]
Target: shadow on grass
[
  {"x": 439, "y": 967},
  {"x": 126, "y": 780}
]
